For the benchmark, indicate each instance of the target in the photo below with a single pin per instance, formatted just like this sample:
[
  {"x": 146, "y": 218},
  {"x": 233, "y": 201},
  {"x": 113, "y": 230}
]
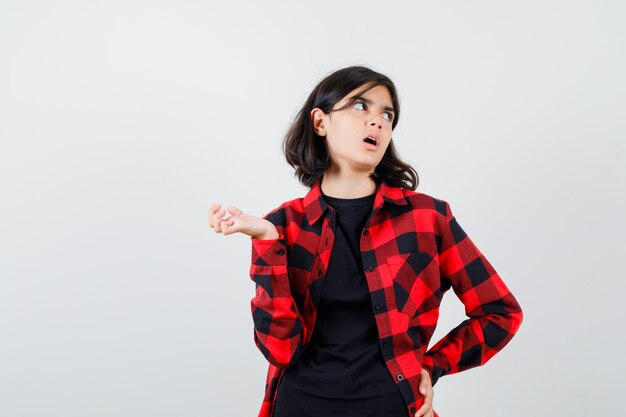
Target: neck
[{"x": 347, "y": 185}]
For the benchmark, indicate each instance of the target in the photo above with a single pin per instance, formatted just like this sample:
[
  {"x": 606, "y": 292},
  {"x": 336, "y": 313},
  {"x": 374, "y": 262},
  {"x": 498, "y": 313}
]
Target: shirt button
[
  {"x": 366, "y": 232},
  {"x": 369, "y": 269},
  {"x": 399, "y": 377},
  {"x": 280, "y": 251},
  {"x": 378, "y": 306},
  {"x": 413, "y": 409}
]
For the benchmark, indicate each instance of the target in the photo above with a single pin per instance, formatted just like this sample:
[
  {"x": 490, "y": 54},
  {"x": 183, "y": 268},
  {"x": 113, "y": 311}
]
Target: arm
[
  {"x": 494, "y": 314},
  {"x": 278, "y": 326},
  {"x": 279, "y": 330}
]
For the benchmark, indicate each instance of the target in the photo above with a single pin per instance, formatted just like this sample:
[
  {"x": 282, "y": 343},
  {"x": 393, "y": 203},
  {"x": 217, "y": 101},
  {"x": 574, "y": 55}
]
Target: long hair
[{"x": 308, "y": 154}]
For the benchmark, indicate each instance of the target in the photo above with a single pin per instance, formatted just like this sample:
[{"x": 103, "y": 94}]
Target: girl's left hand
[{"x": 426, "y": 389}]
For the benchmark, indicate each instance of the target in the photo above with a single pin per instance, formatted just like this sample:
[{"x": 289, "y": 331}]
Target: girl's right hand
[{"x": 252, "y": 226}]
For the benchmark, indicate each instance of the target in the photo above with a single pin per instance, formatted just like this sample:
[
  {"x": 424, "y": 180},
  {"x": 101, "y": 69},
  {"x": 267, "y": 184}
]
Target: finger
[
  {"x": 213, "y": 220},
  {"x": 424, "y": 410},
  {"x": 427, "y": 404},
  {"x": 425, "y": 383},
  {"x": 214, "y": 207},
  {"x": 225, "y": 225},
  {"x": 429, "y": 397},
  {"x": 217, "y": 218}
]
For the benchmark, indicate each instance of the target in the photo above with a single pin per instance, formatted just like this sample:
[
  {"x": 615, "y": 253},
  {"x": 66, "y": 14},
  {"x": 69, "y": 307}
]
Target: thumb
[
  {"x": 423, "y": 388},
  {"x": 235, "y": 211}
]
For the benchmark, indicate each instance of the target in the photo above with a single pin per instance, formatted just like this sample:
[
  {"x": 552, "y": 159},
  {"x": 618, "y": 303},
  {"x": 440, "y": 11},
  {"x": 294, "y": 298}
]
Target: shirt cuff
[
  {"x": 269, "y": 251},
  {"x": 427, "y": 364},
  {"x": 434, "y": 371}
]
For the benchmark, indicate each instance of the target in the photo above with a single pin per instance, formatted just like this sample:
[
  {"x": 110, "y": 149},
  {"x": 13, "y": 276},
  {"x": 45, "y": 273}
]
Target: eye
[
  {"x": 359, "y": 105},
  {"x": 388, "y": 116}
]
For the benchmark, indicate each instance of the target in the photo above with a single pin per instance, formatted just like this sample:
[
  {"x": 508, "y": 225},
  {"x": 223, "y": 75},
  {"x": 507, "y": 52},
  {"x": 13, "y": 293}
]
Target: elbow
[
  {"x": 517, "y": 319},
  {"x": 284, "y": 362},
  {"x": 278, "y": 334},
  {"x": 512, "y": 313},
  {"x": 283, "y": 345},
  {"x": 281, "y": 355},
  {"x": 516, "y": 315}
]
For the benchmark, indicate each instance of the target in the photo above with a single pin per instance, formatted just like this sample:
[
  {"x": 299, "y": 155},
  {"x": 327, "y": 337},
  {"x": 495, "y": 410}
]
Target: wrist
[{"x": 269, "y": 235}]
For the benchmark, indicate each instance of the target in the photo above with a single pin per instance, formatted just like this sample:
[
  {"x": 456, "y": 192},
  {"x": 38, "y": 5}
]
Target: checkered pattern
[{"x": 413, "y": 251}]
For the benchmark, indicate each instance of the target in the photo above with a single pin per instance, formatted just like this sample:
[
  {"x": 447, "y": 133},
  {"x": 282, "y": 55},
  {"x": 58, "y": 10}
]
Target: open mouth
[{"x": 370, "y": 140}]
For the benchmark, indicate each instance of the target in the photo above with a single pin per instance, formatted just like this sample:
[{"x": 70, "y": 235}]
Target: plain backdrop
[{"x": 122, "y": 121}]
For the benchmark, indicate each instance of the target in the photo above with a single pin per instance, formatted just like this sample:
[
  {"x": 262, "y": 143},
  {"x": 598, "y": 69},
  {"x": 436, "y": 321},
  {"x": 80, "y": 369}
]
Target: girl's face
[{"x": 357, "y": 136}]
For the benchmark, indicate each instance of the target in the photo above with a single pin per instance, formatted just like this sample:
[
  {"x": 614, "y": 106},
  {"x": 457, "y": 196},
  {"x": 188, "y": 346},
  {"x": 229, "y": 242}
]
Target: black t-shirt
[{"x": 342, "y": 372}]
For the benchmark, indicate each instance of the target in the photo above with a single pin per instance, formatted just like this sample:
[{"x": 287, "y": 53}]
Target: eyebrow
[{"x": 368, "y": 101}]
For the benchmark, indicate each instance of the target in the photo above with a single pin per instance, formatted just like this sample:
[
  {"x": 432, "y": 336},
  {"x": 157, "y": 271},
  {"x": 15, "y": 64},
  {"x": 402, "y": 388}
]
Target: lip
[
  {"x": 370, "y": 146},
  {"x": 373, "y": 136}
]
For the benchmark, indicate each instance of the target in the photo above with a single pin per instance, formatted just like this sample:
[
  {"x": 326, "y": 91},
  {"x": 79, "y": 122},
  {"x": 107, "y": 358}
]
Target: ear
[{"x": 317, "y": 118}]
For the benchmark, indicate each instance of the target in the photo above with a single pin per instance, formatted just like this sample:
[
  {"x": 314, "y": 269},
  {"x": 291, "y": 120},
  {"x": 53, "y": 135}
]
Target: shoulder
[
  {"x": 288, "y": 210},
  {"x": 425, "y": 202}
]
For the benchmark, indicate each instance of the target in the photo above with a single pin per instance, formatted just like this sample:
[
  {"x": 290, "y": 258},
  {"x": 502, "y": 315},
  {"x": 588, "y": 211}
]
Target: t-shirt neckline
[{"x": 336, "y": 201}]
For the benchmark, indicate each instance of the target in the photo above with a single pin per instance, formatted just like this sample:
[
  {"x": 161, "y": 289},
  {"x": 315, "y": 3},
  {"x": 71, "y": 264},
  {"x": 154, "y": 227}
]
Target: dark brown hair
[{"x": 307, "y": 153}]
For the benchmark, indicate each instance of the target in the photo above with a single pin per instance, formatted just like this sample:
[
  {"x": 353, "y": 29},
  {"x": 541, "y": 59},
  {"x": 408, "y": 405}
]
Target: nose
[{"x": 376, "y": 122}]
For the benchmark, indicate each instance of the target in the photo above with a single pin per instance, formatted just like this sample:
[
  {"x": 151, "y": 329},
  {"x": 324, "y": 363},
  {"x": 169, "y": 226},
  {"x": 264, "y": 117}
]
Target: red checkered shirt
[{"x": 413, "y": 250}]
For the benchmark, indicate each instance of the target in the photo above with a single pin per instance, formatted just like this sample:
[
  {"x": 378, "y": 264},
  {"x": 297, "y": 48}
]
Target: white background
[{"x": 122, "y": 121}]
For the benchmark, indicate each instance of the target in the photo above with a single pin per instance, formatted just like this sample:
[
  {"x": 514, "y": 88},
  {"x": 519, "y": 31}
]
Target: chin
[{"x": 366, "y": 165}]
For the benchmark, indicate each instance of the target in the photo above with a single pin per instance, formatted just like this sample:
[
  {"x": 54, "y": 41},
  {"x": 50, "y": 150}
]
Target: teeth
[{"x": 370, "y": 140}]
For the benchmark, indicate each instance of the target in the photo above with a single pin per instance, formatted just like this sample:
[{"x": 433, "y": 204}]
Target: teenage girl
[{"x": 350, "y": 277}]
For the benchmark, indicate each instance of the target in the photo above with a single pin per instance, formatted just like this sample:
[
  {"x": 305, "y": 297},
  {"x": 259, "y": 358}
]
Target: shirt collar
[{"x": 315, "y": 205}]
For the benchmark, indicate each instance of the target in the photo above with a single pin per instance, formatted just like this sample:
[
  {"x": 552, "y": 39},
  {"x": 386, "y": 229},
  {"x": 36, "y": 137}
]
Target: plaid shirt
[{"x": 413, "y": 250}]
